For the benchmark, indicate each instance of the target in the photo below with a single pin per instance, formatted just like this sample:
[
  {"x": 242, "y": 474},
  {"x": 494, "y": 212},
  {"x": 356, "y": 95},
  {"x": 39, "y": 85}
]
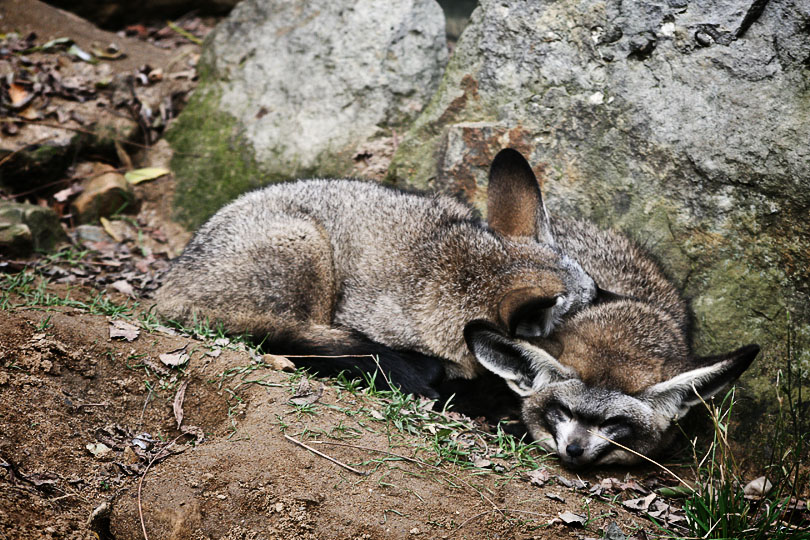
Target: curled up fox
[{"x": 347, "y": 267}]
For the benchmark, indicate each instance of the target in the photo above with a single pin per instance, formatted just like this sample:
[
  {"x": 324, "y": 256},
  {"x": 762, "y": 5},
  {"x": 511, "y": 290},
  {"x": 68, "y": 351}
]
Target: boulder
[
  {"x": 27, "y": 227},
  {"x": 684, "y": 124},
  {"x": 290, "y": 89}
]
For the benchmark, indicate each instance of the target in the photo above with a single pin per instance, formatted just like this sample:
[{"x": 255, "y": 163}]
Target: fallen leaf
[
  {"x": 674, "y": 492},
  {"x": 84, "y": 56},
  {"x": 109, "y": 230},
  {"x": 123, "y": 330},
  {"x": 569, "y": 518},
  {"x": 58, "y": 42},
  {"x": 19, "y": 95},
  {"x": 175, "y": 358},
  {"x": 99, "y": 450},
  {"x": 641, "y": 504},
  {"x": 123, "y": 287},
  {"x": 305, "y": 394},
  {"x": 481, "y": 463},
  {"x": 142, "y": 175},
  {"x": 554, "y": 497},
  {"x": 539, "y": 477},
  {"x": 177, "y": 407}
]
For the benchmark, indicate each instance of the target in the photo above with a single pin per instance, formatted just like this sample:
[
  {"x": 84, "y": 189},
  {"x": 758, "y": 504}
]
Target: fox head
[
  {"x": 616, "y": 372},
  {"x": 516, "y": 211}
]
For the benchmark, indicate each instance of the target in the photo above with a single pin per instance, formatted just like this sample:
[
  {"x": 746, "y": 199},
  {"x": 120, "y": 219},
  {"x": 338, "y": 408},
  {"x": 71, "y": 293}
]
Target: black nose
[{"x": 574, "y": 450}]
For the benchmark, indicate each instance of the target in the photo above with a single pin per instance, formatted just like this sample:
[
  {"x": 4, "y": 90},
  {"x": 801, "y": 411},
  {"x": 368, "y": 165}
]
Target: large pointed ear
[
  {"x": 675, "y": 397},
  {"x": 514, "y": 202},
  {"x": 527, "y": 312},
  {"x": 524, "y": 368}
]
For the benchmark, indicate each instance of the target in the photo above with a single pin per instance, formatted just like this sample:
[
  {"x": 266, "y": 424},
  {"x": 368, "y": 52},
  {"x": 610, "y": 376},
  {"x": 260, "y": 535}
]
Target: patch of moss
[{"x": 212, "y": 162}]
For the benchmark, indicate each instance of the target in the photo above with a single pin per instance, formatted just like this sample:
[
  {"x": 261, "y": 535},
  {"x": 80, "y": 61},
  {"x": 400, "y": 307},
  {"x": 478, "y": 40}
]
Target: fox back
[
  {"x": 329, "y": 265},
  {"x": 620, "y": 370}
]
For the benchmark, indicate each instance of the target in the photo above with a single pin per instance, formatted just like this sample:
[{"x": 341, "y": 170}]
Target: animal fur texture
[
  {"x": 619, "y": 370},
  {"x": 336, "y": 267}
]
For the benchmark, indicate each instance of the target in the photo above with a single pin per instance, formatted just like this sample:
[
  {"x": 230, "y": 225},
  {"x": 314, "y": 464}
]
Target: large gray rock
[
  {"x": 686, "y": 124},
  {"x": 293, "y": 88}
]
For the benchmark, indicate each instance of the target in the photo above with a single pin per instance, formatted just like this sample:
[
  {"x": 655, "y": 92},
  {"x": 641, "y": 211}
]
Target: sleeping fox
[
  {"x": 347, "y": 267},
  {"x": 619, "y": 370}
]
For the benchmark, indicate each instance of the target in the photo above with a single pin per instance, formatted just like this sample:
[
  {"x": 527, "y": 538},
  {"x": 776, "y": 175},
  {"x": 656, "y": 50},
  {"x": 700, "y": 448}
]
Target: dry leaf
[
  {"x": 142, "y": 175},
  {"x": 305, "y": 394},
  {"x": 539, "y": 477},
  {"x": 175, "y": 358},
  {"x": 569, "y": 518},
  {"x": 123, "y": 287},
  {"x": 178, "y": 403},
  {"x": 19, "y": 95},
  {"x": 123, "y": 330},
  {"x": 109, "y": 230},
  {"x": 554, "y": 497},
  {"x": 641, "y": 504}
]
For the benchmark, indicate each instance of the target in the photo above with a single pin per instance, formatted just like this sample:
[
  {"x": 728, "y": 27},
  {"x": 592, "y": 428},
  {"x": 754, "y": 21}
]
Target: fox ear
[
  {"x": 527, "y": 312},
  {"x": 676, "y": 396},
  {"x": 524, "y": 368},
  {"x": 514, "y": 202},
  {"x": 603, "y": 296}
]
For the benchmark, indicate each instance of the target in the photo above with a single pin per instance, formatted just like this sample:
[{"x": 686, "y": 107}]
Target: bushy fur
[{"x": 320, "y": 262}]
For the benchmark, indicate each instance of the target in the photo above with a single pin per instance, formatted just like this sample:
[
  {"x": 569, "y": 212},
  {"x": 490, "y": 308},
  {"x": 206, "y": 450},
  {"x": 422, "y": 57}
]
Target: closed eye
[{"x": 615, "y": 422}]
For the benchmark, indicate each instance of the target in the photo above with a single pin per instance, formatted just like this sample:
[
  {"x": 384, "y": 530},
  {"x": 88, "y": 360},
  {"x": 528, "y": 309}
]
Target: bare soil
[{"x": 71, "y": 386}]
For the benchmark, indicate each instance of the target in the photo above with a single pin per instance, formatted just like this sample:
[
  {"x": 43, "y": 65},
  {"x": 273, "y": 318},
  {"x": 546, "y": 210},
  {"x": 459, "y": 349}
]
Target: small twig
[
  {"x": 185, "y": 33},
  {"x": 333, "y": 460},
  {"x": 623, "y": 447},
  {"x": 417, "y": 462},
  {"x": 145, "y": 403},
  {"x": 140, "y": 482},
  {"x": 502, "y": 510},
  {"x": 69, "y": 128}
]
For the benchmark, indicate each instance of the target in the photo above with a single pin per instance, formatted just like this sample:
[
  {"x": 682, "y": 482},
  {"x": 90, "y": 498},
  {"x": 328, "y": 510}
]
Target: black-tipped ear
[
  {"x": 675, "y": 396},
  {"x": 522, "y": 366},
  {"x": 514, "y": 202},
  {"x": 603, "y": 296},
  {"x": 527, "y": 312}
]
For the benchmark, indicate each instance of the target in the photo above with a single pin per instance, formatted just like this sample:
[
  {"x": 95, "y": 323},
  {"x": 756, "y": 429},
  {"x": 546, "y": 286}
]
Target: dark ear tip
[
  {"x": 749, "y": 351},
  {"x": 475, "y": 327},
  {"x": 510, "y": 159}
]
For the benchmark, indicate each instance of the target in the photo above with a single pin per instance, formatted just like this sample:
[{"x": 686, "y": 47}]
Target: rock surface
[
  {"x": 27, "y": 227},
  {"x": 685, "y": 124},
  {"x": 105, "y": 193},
  {"x": 289, "y": 89}
]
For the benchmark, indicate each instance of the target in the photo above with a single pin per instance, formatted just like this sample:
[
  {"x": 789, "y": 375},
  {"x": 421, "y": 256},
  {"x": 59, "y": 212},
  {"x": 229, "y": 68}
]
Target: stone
[
  {"x": 686, "y": 125},
  {"x": 105, "y": 193},
  {"x": 25, "y": 228},
  {"x": 292, "y": 89}
]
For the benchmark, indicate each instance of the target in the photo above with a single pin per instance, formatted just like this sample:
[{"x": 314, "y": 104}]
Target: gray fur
[
  {"x": 620, "y": 370},
  {"x": 320, "y": 258}
]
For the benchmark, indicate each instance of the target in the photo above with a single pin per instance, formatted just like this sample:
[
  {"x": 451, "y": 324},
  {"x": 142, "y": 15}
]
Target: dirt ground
[{"x": 69, "y": 385}]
